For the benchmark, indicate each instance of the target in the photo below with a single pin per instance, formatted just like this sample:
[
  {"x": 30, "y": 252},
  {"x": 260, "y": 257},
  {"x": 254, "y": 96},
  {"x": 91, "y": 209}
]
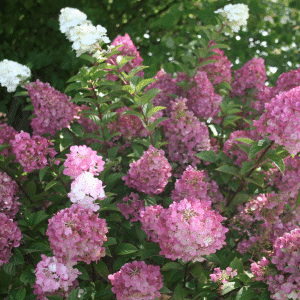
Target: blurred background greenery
[{"x": 29, "y": 34}]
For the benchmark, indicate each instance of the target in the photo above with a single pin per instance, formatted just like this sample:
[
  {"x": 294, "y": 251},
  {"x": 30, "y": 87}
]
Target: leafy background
[{"x": 29, "y": 34}]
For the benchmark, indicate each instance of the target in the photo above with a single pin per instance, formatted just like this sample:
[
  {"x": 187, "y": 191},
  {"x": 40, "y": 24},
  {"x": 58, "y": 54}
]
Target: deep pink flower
[
  {"x": 137, "y": 281},
  {"x": 7, "y": 133}
]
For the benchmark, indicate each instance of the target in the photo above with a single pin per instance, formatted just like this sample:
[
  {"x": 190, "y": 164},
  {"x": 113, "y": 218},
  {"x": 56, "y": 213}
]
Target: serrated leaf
[
  {"x": 151, "y": 249},
  {"x": 88, "y": 57},
  {"x": 207, "y": 155},
  {"x": 73, "y": 294},
  {"x": 123, "y": 60},
  {"x": 229, "y": 170},
  {"x": 149, "y": 95},
  {"x": 239, "y": 198},
  {"x": 17, "y": 258},
  {"x": 156, "y": 122},
  {"x": 9, "y": 269},
  {"x": 278, "y": 161},
  {"x": 230, "y": 286},
  {"x": 219, "y": 46},
  {"x": 154, "y": 110},
  {"x": 73, "y": 86},
  {"x": 245, "y": 293},
  {"x": 134, "y": 113},
  {"x": 257, "y": 147},
  {"x": 125, "y": 248},
  {"x": 144, "y": 83},
  {"x": 207, "y": 62},
  {"x": 245, "y": 140},
  {"x": 136, "y": 70},
  {"x": 20, "y": 295},
  {"x": 237, "y": 264}
]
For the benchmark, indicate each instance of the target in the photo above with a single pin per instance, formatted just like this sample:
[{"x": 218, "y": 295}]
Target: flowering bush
[{"x": 180, "y": 186}]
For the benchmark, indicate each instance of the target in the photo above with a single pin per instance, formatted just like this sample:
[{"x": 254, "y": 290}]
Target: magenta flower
[
  {"x": 137, "y": 281},
  {"x": 82, "y": 158},
  {"x": 150, "y": 173},
  {"x": 7, "y": 133},
  {"x": 32, "y": 152},
  {"x": 10, "y": 237},
  {"x": 71, "y": 241},
  {"x": 132, "y": 207}
]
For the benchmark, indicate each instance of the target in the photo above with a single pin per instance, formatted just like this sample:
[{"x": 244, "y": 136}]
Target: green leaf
[
  {"x": 180, "y": 293},
  {"x": 219, "y": 46},
  {"x": 237, "y": 264},
  {"x": 29, "y": 107},
  {"x": 136, "y": 70},
  {"x": 43, "y": 172},
  {"x": 151, "y": 249},
  {"x": 77, "y": 129},
  {"x": 73, "y": 86},
  {"x": 198, "y": 272},
  {"x": 110, "y": 241},
  {"x": 239, "y": 198},
  {"x": 257, "y": 179},
  {"x": 9, "y": 269},
  {"x": 88, "y": 57},
  {"x": 112, "y": 152},
  {"x": 30, "y": 188},
  {"x": 154, "y": 110},
  {"x": 17, "y": 258},
  {"x": 101, "y": 268},
  {"x": 245, "y": 294},
  {"x": 144, "y": 83},
  {"x": 37, "y": 247},
  {"x": 50, "y": 185},
  {"x": 207, "y": 155},
  {"x": 152, "y": 126},
  {"x": 257, "y": 147},
  {"x": 229, "y": 170},
  {"x": 133, "y": 113},
  {"x": 230, "y": 286},
  {"x": 125, "y": 248},
  {"x": 207, "y": 62},
  {"x": 54, "y": 297},
  {"x": 37, "y": 217},
  {"x": 149, "y": 95},
  {"x": 171, "y": 266},
  {"x": 73, "y": 294},
  {"x": 278, "y": 161},
  {"x": 20, "y": 294},
  {"x": 19, "y": 94},
  {"x": 2, "y": 147},
  {"x": 84, "y": 274},
  {"x": 245, "y": 140},
  {"x": 123, "y": 60},
  {"x": 298, "y": 198}
]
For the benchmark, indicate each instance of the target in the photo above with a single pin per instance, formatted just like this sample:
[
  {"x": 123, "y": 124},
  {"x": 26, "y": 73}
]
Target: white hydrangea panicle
[
  {"x": 70, "y": 17},
  {"x": 12, "y": 74},
  {"x": 236, "y": 15}
]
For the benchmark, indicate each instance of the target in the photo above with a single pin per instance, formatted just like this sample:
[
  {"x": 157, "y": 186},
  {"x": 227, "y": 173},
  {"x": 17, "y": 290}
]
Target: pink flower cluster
[
  {"x": 10, "y": 236},
  {"x": 8, "y": 202},
  {"x": 137, "y": 281},
  {"x": 71, "y": 241},
  {"x": 231, "y": 148},
  {"x": 86, "y": 189},
  {"x": 263, "y": 218},
  {"x": 222, "y": 276},
  {"x": 186, "y": 135},
  {"x": 251, "y": 76},
  {"x": 82, "y": 158},
  {"x": 287, "y": 81},
  {"x": 132, "y": 207},
  {"x": 258, "y": 269},
  {"x": 187, "y": 230},
  {"x": 7, "y": 133},
  {"x": 53, "y": 109},
  {"x": 168, "y": 86},
  {"x": 31, "y": 152},
  {"x": 281, "y": 121},
  {"x": 54, "y": 278},
  {"x": 286, "y": 258},
  {"x": 150, "y": 173},
  {"x": 191, "y": 184},
  {"x": 128, "y": 49},
  {"x": 218, "y": 71},
  {"x": 202, "y": 99},
  {"x": 129, "y": 125}
]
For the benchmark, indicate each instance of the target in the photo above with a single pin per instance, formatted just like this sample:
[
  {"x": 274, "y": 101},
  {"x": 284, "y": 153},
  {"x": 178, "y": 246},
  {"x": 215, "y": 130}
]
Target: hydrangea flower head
[
  {"x": 53, "y": 109},
  {"x": 12, "y": 74},
  {"x": 54, "y": 278},
  {"x": 150, "y": 173},
  {"x": 188, "y": 229},
  {"x": 236, "y": 15},
  {"x": 137, "y": 281},
  {"x": 8, "y": 202},
  {"x": 281, "y": 120},
  {"x": 132, "y": 207},
  {"x": 85, "y": 36},
  {"x": 70, "y": 17},
  {"x": 71, "y": 241},
  {"x": 7, "y": 133},
  {"x": 85, "y": 189},
  {"x": 82, "y": 158},
  {"x": 31, "y": 152},
  {"x": 127, "y": 49},
  {"x": 10, "y": 236}
]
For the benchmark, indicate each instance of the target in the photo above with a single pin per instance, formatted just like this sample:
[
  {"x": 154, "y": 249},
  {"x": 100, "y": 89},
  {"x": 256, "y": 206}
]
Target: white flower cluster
[
  {"x": 12, "y": 73},
  {"x": 236, "y": 15},
  {"x": 80, "y": 31}
]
